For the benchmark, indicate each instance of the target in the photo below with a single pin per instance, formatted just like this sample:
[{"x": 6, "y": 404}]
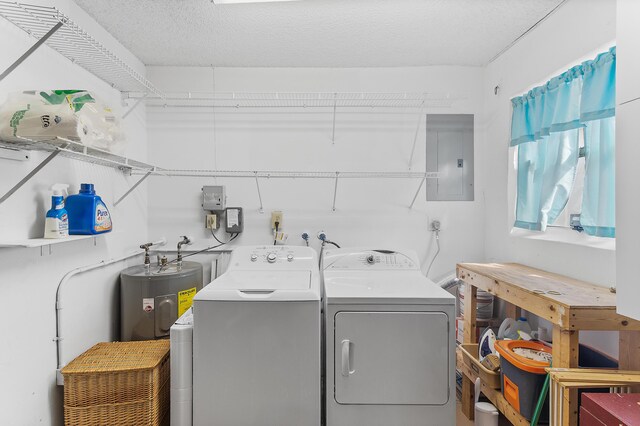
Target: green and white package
[{"x": 71, "y": 114}]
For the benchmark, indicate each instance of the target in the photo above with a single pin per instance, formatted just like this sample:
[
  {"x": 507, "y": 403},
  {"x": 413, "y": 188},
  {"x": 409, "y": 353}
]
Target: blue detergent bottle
[{"x": 88, "y": 215}]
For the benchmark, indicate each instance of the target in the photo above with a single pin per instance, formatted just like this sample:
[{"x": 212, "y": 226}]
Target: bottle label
[
  {"x": 56, "y": 227},
  {"x": 64, "y": 225},
  {"x": 103, "y": 219}
]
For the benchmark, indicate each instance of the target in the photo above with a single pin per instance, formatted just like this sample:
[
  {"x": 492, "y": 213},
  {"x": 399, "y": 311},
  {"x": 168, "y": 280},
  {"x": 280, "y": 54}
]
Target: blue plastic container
[{"x": 88, "y": 215}]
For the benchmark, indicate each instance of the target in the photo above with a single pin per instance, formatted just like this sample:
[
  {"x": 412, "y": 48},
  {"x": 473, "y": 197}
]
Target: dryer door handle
[{"x": 347, "y": 358}]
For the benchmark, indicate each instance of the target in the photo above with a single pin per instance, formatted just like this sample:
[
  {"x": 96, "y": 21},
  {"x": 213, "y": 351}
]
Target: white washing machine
[
  {"x": 390, "y": 345},
  {"x": 256, "y": 341}
]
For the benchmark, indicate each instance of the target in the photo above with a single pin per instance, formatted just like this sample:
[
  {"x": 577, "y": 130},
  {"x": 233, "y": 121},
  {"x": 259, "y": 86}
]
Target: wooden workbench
[{"x": 570, "y": 305}]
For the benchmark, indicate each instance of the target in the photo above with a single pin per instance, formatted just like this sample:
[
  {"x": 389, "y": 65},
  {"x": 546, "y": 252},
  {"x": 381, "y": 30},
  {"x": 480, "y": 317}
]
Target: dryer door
[{"x": 391, "y": 358}]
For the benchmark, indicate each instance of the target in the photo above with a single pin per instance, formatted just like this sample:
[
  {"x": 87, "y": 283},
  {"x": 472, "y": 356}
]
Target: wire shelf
[
  {"x": 294, "y": 174},
  {"x": 77, "y": 45},
  {"x": 308, "y": 100},
  {"x": 78, "y": 151}
]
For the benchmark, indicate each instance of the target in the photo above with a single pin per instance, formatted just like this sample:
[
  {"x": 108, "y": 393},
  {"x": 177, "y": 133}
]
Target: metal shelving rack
[
  {"x": 47, "y": 25},
  {"x": 308, "y": 100},
  {"x": 50, "y": 26},
  {"x": 77, "y": 151},
  {"x": 336, "y": 176}
]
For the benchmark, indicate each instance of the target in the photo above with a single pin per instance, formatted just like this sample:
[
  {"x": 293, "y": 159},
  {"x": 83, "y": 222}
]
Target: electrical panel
[
  {"x": 450, "y": 153},
  {"x": 234, "y": 222},
  {"x": 213, "y": 198}
]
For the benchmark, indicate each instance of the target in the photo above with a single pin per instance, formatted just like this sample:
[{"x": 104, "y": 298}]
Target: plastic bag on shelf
[{"x": 71, "y": 114}]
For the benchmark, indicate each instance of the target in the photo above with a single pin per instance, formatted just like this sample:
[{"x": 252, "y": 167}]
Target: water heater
[{"x": 152, "y": 297}]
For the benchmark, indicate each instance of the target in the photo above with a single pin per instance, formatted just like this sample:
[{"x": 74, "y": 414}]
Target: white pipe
[{"x": 58, "y": 339}]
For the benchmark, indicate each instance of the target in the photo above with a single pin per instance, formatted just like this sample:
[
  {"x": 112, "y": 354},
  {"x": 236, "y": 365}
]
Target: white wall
[
  {"x": 577, "y": 31},
  {"x": 29, "y": 279},
  {"x": 369, "y": 212}
]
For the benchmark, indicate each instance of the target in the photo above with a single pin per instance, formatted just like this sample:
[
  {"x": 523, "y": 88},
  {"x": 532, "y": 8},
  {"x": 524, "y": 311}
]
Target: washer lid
[
  {"x": 384, "y": 287},
  {"x": 267, "y": 285}
]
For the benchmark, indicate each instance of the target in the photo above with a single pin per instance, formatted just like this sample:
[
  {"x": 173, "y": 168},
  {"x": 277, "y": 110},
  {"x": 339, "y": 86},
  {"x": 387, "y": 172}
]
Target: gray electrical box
[
  {"x": 213, "y": 198},
  {"x": 234, "y": 222},
  {"x": 450, "y": 153}
]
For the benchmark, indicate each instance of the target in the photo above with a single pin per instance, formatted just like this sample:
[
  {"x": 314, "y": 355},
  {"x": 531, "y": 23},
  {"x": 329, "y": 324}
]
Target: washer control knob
[
  {"x": 271, "y": 258},
  {"x": 371, "y": 260},
  {"x": 254, "y": 257},
  {"x": 290, "y": 257}
]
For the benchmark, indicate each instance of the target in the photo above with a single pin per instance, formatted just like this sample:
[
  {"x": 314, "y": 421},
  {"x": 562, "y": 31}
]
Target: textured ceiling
[{"x": 317, "y": 33}]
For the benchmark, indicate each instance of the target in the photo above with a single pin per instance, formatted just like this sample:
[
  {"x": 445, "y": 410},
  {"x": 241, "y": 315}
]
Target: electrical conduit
[{"x": 58, "y": 339}]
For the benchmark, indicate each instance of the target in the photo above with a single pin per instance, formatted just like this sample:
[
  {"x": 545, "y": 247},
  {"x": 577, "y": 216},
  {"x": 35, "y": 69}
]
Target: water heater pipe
[{"x": 58, "y": 339}]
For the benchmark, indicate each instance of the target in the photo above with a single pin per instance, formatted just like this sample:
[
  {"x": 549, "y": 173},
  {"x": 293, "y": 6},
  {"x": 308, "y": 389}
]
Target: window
[
  {"x": 574, "y": 203},
  {"x": 564, "y": 132}
]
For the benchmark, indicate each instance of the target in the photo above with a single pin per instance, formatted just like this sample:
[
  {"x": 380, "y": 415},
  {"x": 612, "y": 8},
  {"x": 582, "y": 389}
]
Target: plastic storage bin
[
  {"x": 470, "y": 358},
  {"x": 521, "y": 377}
]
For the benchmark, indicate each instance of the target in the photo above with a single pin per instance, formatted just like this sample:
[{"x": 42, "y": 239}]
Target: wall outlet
[
  {"x": 276, "y": 216},
  {"x": 211, "y": 221},
  {"x": 435, "y": 225}
]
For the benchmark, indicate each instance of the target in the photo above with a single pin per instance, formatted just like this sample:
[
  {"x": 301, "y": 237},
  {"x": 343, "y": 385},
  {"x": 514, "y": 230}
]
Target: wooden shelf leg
[
  {"x": 565, "y": 355},
  {"x": 470, "y": 336},
  {"x": 629, "y": 349},
  {"x": 512, "y": 311},
  {"x": 470, "y": 311},
  {"x": 468, "y": 395}
]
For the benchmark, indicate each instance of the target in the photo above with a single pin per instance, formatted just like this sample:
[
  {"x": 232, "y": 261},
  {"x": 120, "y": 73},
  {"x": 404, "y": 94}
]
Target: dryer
[
  {"x": 256, "y": 341},
  {"x": 389, "y": 341}
]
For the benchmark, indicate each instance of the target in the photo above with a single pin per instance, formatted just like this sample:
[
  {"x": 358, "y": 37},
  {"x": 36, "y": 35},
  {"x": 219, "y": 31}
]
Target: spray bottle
[{"x": 57, "y": 220}]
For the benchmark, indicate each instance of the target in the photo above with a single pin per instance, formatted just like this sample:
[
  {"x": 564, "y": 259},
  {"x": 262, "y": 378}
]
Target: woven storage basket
[{"x": 118, "y": 383}]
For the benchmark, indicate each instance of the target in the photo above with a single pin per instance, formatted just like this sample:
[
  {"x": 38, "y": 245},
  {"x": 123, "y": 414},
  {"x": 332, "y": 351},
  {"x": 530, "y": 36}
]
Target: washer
[
  {"x": 389, "y": 344},
  {"x": 256, "y": 341}
]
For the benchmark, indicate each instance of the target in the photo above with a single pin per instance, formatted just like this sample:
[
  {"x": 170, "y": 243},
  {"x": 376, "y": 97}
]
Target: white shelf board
[{"x": 41, "y": 242}]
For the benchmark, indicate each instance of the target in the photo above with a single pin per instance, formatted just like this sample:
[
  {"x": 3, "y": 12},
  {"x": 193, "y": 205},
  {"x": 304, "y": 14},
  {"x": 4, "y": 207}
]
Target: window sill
[{"x": 567, "y": 236}]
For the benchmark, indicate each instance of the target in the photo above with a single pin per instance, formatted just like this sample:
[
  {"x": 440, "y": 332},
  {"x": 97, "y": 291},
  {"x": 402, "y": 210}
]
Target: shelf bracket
[
  {"x": 32, "y": 49},
  {"x": 135, "y": 105},
  {"x": 335, "y": 105},
  {"x": 415, "y": 197},
  {"x": 415, "y": 136},
  {"x": 261, "y": 210},
  {"x": 30, "y": 175},
  {"x": 335, "y": 191},
  {"x": 135, "y": 185}
]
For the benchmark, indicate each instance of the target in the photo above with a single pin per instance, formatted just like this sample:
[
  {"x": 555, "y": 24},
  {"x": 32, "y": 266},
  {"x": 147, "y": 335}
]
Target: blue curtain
[{"x": 545, "y": 126}]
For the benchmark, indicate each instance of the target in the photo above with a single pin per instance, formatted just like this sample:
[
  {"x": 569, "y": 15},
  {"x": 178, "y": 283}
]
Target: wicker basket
[{"x": 119, "y": 383}]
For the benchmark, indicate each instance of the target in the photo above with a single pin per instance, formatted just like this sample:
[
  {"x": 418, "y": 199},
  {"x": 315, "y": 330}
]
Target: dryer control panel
[{"x": 369, "y": 260}]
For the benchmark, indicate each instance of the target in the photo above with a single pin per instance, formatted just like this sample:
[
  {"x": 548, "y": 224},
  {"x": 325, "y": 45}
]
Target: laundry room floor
[{"x": 461, "y": 420}]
